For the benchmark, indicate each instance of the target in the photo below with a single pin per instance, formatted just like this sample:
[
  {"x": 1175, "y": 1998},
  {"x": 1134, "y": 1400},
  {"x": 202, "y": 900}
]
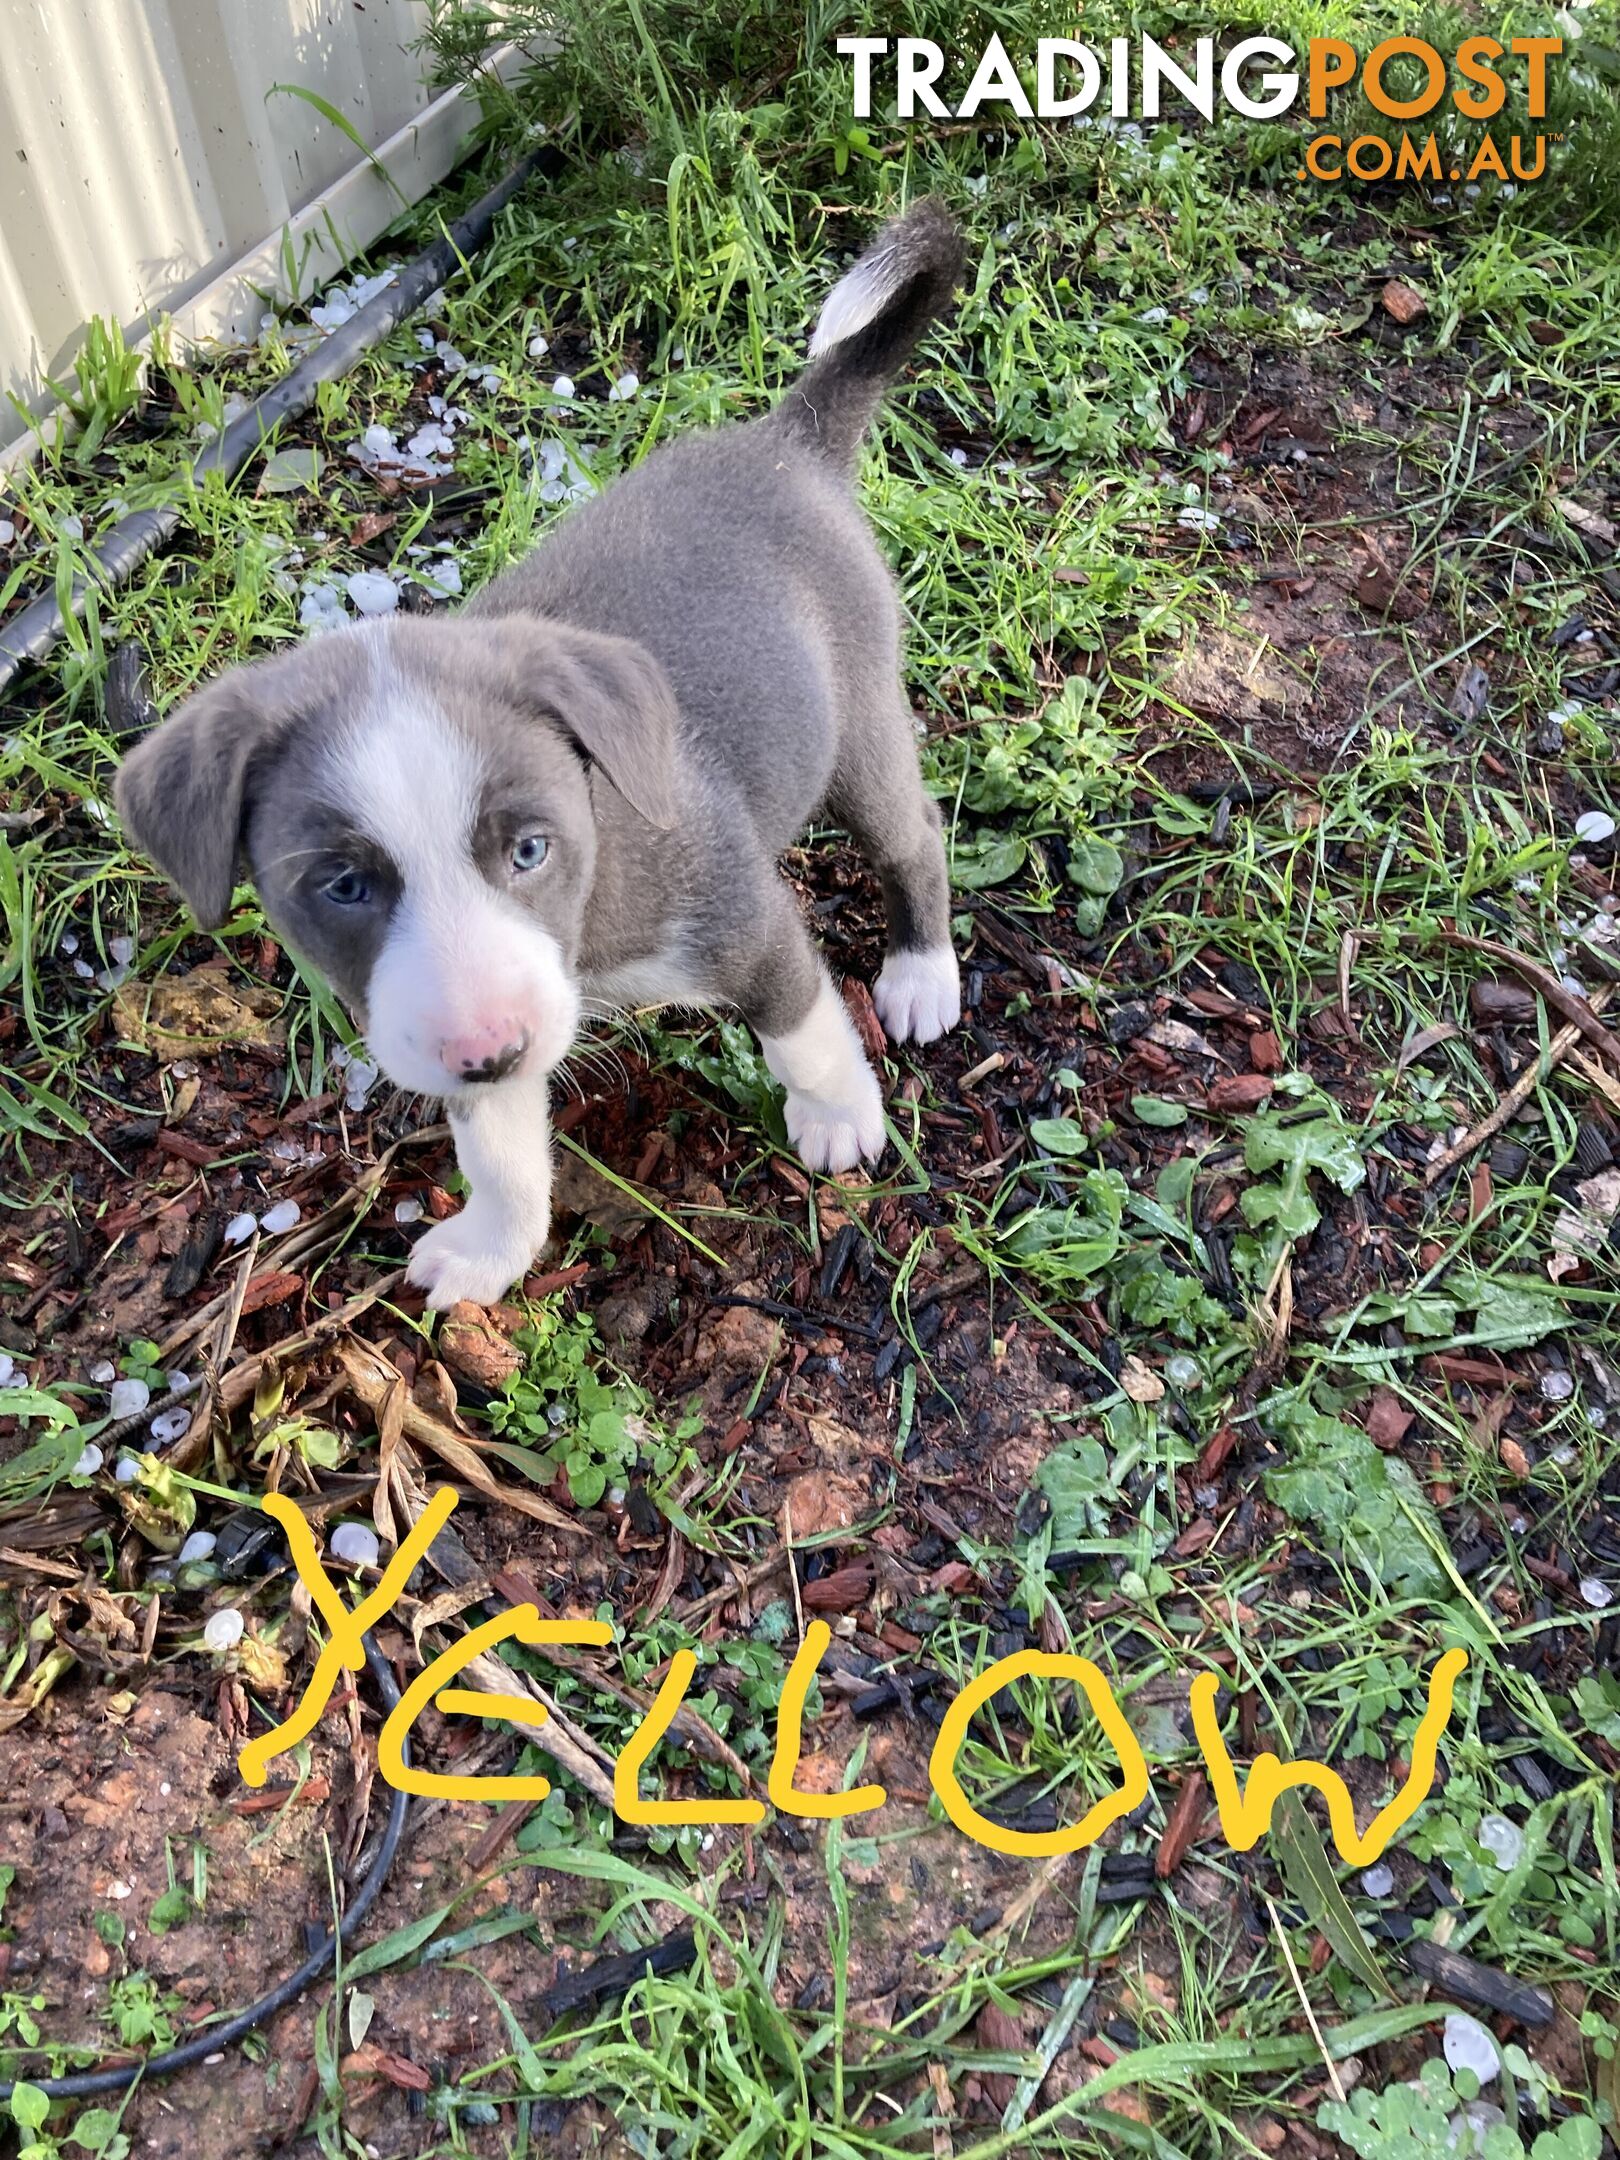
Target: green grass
[{"x": 1049, "y": 583}]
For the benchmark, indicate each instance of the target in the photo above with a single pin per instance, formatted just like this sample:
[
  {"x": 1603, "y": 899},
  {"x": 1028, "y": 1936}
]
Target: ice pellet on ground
[
  {"x": 103, "y": 1373},
  {"x": 625, "y": 388},
  {"x": 1594, "y": 826},
  {"x": 83, "y": 970},
  {"x": 8, "y": 1365},
  {"x": 1503, "y": 1840},
  {"x": 70, "y": 527},
  {"x": 354, "y": 1544},
  {"x": 563, "y": 387},
  {"x": 1470, "y": 2126},
  {"x": 1596, "y": 1592},
  {"x": 1557, "y": 1386},
  {"x": 279, "y": 1218},
  {"x": 1196, "y": 520},
  {"x": 121, "y": 950},
  {"x": 1468, "y": 2046},
  {"x": 179, "y": 1382},
  {"x": 129, "y": 1398},
  {"x": 372, "y": 591},
  {"x": 378, "y": 441},
  {"x": 89, "y": 1462},
  {"x": 321, "y": 607},
  {"x": 452, "y": 361},
  {"x": 198, "y": 1546},
  {"x": 240, "y": 1228},
  {"x": 358, "y": 1083},
  {"x": 426, "y": 340},
  {"x": 1183, "y": 1371},
  {"x": 442, "y": 577},
  {"x": 8, "y": 531},
  {"x": 70, "y": 943},
  {"x": 127, "y": 1469},
  {"x": 538, "y": 347},
  {"x": 224, "y": 1630},
  {"x": 959, "y": 457},
  {"x": 1378, "y": 1881},
  {"x": 407, "y": 1211},
  {"x": 170, "y": 1425},
  {"x": 113, "y": 978}
]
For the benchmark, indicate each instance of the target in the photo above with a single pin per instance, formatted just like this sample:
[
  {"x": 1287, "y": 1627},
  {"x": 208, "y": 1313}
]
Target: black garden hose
[
  {"x": 85, "y": 2084},
  {"x": 32, "y": 633}
]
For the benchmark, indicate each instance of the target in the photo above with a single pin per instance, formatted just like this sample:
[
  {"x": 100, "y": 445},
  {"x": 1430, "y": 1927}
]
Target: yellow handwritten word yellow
[
  {"x": 1245, "y": 1814},
  {"x": 821, "y": 1807},
  {"x": 1036, "y": 1844},
  {"x": 627, "y": 1802}
]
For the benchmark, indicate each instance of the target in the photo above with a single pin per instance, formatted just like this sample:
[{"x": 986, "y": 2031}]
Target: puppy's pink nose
[{"x": 486, "y": 1053}]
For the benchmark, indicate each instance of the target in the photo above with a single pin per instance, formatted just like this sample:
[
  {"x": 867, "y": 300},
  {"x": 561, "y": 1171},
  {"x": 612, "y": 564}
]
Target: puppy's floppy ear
[
  {"x": 615, "y": 700},
  {"x": 181, "y": 791}
]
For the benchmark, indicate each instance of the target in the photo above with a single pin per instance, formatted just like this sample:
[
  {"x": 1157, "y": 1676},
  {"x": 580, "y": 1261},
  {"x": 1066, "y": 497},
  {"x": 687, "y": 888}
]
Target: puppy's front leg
[{"x": 503, "y": 1149}]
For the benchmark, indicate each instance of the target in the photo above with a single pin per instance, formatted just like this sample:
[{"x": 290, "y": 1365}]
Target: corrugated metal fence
[{"x": 144, "y": 151}]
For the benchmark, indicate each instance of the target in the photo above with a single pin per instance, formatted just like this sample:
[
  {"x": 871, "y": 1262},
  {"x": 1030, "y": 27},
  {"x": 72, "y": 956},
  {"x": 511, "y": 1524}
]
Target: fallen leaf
[
  {"x": 1388, "y": 1419},
  {"x": 175, "y": 1016},
  {"x": 1471, "y": 694},
  {"x": 474, "y": 1347},
  {"x": 1140, "y": 1382},
  {"x": 1265, "y": 1052},
  {"x": 1590, "y": 524},
  {"x": 1581, "y": 1233}
]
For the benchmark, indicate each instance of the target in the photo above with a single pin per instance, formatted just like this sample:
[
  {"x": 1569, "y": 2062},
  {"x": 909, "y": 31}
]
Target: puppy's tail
[{"x": 873, "y": 318}]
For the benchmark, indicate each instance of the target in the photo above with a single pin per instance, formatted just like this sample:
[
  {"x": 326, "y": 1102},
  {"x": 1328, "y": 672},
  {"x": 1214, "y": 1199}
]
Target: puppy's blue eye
[
  {"x": 347, "y": 889},
  {"x": 530, "y": 852}
]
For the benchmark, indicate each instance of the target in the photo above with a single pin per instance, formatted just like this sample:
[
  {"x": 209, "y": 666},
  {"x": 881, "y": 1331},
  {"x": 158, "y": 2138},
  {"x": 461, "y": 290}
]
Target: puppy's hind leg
[
  {"x": 503, "y": 1149},
  {"x": 834, "y": 1106},
  {"x": 878, "y": 797}
]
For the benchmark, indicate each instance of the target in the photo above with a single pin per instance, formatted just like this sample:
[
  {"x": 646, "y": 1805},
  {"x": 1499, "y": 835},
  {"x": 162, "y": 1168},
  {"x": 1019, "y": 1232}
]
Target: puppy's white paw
[
  {"x": 471, "y": 1257},
  {"x": 837, "y": 1135},
  {"x": 918, "y": 995}
]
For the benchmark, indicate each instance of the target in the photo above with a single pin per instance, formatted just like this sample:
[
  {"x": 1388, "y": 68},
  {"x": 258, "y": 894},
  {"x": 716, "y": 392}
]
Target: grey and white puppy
[{"x": 571, "y": 796}]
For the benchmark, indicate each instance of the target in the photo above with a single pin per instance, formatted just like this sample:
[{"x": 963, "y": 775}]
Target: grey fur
[{"x": 684, "y": 672}]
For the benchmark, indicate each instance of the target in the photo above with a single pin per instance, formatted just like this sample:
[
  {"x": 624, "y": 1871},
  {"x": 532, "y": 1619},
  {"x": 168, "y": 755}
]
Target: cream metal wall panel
[{"x": 144, "y": 152}]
